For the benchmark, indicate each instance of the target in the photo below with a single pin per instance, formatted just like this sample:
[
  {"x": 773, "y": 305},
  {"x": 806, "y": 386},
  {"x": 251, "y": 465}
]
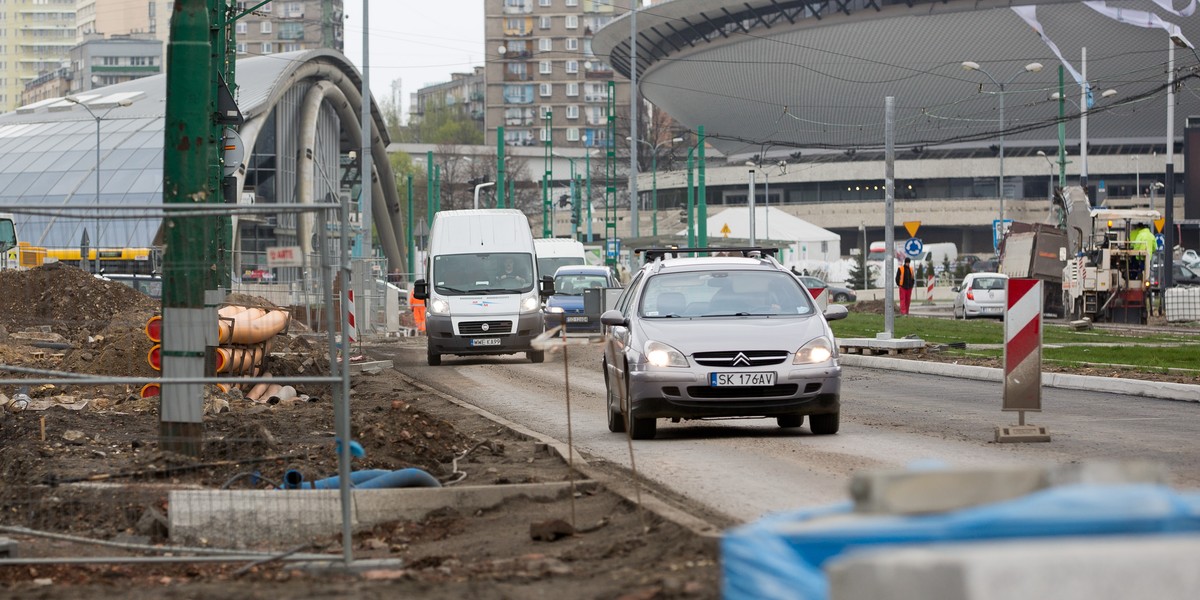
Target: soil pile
[{"x": 73, "y": 303}]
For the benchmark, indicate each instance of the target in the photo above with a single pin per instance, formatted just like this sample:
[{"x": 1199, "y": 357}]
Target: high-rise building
[
  {"x": 98, "y": 62},
  {"x": 540, "y": 59},
  {"x": 287, "y": 26},
  {"x": 463, "y": 94},
  {"x": 35, "y": 37}
]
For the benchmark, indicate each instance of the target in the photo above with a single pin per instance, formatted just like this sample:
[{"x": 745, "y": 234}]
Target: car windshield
[
  {"x": 574, "y": 284},
  {"x": 988, "y": 283},
  {"x": 484, "y": 273},
  {"x": 723, "y": 294}
]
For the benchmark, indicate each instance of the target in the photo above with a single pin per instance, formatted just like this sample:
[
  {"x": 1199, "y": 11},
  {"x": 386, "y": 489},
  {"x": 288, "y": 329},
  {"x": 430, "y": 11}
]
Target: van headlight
[
  {"x": 818, "y": 350},
  {"x": 439, "y": 307},
  {"x": 530, "y": 304},
  {"x": 659, "y": 354}
]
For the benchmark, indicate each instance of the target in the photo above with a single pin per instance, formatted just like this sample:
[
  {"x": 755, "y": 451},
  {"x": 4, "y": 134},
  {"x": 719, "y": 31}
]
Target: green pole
[
  {"x": 222, "y": 63},
  {"x": 500, "y": 189},
  {"x": 1062, "y": 130},
  {"x": 654, "y": 193},
  {"x": 587, "y": 162},
  {"x": 437, "y": 188},
  {"x": 412, "y": 246},
  {"x": 547, "y": 178},
  {"x": 702, "y": 211},
  {"x": 575, "y": 209},
  {"x": 189, "y": 155},
  {"x": 691, "y": 202},
  {"x": 429, "y": 207}
]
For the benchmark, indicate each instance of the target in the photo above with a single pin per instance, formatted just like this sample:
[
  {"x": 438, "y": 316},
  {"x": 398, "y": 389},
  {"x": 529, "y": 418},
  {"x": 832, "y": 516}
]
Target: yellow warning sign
[
  {"x": 912, "y": 227},
  {"x": 725, "y": 230},
  {"x": 1158, "y": 225}
]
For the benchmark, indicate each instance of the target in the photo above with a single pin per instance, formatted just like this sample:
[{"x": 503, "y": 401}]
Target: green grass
[{"x": 1128, "y": 349}]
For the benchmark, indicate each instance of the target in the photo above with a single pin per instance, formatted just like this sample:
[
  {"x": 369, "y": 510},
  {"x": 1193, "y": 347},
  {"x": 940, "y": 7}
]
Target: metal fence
[{"x": 92, "y": 461}]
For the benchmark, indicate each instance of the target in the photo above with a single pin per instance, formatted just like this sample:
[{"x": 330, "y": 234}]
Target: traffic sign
[
  {"x": 912, "y": 227},
  {"x": 1161, "y": 240},
  {"x": 999, "y": 228},
  {"x": 725, "y": 230},
  {"x": 612, "y": 248},
  {"x": 1158, "y": 224},
  {"x": 913, "y": 247}
]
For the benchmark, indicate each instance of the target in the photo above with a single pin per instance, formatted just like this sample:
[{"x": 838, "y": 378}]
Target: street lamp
[
  {"x": 1137, "y": 177},
  {"x": 1158, "y": 185},
  {"x": 1032, "y": 67},
  {"x": 1050, "y": 193},
  {"x": 98, "y": 118},
  {"x": 654, "y": 174}
]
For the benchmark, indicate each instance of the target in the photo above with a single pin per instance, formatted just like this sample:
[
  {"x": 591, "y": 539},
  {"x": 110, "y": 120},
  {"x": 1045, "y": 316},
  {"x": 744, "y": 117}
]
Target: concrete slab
[
  {"x": 8, "y": 548},
  {"x": 1009, "y": 434},
  {"x": 371, "y": 366},
  {"x": 941, "y": 490},
  {"x": 1114, "y": 568},
  {"x": 241, "y": 518},
  {"x": 869, "y": 346}
]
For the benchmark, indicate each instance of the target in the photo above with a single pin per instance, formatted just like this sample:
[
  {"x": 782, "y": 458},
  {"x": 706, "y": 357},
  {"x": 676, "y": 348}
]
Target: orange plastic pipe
[{"x": 253, "y": 326}]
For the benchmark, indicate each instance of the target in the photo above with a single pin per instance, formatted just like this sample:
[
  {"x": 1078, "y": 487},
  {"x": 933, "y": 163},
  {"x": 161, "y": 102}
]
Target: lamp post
[
  {"x": 1158, "y": 185},
  {"x": 1137, "y": 177},
  {"x": 1032, "y": 67},
  {"x": 1083, "y": 143},
  {"x": 654, "y": 174},
  {"x": 98, "y": 118},
  {"x": 1050, "y": 192}
]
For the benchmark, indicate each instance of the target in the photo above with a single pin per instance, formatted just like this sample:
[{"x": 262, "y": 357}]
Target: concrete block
[
  {"x": 1008, "y": 434},
  {"x": 372, "y": 366},
  {"x": 922, "y": 492},
  {"x": 8, "y": 548},
  {"x": 1110, "y": 568}
]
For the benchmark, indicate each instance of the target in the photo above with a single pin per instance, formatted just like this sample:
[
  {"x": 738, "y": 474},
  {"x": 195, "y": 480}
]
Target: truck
[
  {"x": 15, "y": 254},
  {"x": 1086, "y": 259},
  {"x": 481, "y": 286}
]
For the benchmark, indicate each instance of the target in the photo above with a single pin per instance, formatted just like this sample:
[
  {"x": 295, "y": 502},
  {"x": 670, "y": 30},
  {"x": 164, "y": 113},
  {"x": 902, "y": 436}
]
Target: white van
[
  {"x": 482, "y": 289},
  {"x": 553, "y": 253}
]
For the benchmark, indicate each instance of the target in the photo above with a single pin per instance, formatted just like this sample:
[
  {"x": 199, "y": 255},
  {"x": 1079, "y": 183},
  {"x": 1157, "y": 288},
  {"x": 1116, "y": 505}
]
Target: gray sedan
[{"x": 720, "y": 337}]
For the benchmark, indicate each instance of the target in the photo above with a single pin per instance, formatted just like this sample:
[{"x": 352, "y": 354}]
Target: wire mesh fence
[{"x": 105, "y": 440}]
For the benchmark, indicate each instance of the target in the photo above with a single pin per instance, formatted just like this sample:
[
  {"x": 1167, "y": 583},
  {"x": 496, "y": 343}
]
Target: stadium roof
[{"x": 776, "y": 75}]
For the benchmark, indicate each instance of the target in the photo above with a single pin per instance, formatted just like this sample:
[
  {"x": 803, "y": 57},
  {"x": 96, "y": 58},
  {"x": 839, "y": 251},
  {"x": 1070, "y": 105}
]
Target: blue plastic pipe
[
  {"x": 365, "y": 479},
  {"x": 404, "y": 478}
]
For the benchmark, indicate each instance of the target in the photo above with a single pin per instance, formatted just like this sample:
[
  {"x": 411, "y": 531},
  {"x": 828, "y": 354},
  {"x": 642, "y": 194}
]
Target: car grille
[
  {"x": 745, "y": 358},
  {"x": 476, "y": 327},
  {"x": 758, "y": 391}
]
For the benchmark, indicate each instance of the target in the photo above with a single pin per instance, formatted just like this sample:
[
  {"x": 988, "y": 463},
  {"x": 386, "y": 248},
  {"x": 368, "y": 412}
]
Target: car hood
[
  {"x": 714, "y": 334},
  {"x": 504, "y": 305},
  {"x": 567, "y": 303}
]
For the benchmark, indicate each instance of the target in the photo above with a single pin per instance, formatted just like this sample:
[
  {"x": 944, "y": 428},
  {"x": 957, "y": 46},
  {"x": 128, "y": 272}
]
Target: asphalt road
[{"x": 890, "y": 420}]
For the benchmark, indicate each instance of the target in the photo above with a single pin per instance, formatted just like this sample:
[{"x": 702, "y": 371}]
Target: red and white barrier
[
  {"x": 929, "y": 291},
  {"x": 352, "y": 329},
  {"x": 1023, "y": 346},
  {"x": 821, "y": 296}
]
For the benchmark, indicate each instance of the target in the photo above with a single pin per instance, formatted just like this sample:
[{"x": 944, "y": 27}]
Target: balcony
[
  {"x": 598, "y": 74},
  {"x": 517, "y": 76},
  {"x": 523, "y": 9}
]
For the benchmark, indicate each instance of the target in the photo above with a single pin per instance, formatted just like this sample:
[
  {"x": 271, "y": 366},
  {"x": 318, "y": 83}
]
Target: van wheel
[
  {"x": 536, "y": 356},
  {"x": 824, "y": 424},
  {"x": 433, "y": 358},
  {"x": 790, "y": 420}
]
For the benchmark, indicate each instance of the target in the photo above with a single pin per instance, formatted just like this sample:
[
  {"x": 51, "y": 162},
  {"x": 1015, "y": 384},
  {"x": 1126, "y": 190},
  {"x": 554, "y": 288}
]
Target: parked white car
[{"x": 980, "y": 295}]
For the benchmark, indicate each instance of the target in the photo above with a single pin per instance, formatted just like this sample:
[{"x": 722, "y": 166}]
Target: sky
[{"x": 419, "y": 43}]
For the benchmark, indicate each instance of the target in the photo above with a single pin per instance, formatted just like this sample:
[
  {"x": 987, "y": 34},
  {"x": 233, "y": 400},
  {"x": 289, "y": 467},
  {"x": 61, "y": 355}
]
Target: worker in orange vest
[{"x": 418, "y": 311}]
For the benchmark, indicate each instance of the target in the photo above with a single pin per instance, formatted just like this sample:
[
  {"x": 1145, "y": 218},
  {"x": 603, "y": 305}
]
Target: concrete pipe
[{"x": 286, "y": 396}]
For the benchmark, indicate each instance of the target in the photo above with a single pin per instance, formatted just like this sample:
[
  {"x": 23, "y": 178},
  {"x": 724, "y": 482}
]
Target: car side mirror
[
  {"x": 836, "y": 312},
  {"x": 546, "y": 287},
  {"x": 613, "y": 318},
  {"x": 954, "y": 289},
  {"x": 421, "y": 289}
]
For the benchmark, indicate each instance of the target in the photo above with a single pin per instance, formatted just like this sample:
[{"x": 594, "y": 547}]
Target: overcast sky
[{"x": 419, "y": 43}]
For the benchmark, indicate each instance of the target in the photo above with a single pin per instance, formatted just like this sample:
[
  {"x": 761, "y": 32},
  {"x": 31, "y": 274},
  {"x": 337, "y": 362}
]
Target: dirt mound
[
  {"x": 874, "y": 307},
  {"x": 73, "y": 303}
]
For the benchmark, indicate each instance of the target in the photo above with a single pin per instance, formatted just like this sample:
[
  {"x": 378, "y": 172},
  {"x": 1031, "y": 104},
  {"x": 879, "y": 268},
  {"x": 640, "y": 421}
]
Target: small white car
[{"x": 980, "y": 295}]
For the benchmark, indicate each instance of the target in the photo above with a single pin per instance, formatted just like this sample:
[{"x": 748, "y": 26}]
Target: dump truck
[{"x": 1038, "y": 251}]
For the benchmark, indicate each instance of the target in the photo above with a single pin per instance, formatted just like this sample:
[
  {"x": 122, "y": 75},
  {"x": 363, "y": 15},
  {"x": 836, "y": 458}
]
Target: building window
[
  {"x": 265, "y": 8},
  {"x": 266, "y": 48},
  {"x": 543, "y": 22},
  {"x": 572, "y": 134},
  {"x": 264, "y": 27},
  {"x": 241, "y": 47},
  {"x": 545, "y": 44},
  {"x": 111, "y": 61},
  {"x": 544, "y": 110},
  {"x": 291, "y": 31},
  {"x": 572, "y": 66},
  {"x": 544, "y": 133},
  {"x": 290, "y": 47},
  {"x": 572, "y": 89},
  {"x": 572, "y": 2},
  {"x": 545, "y": 89},
  {"x": 572, "y": 43},
  {"x": 515, "y": 26},
  {"x": 544, "y": 67},
  {"x": 572, "y": 111},
  {"x": 572, "y": 22},
  {"x": 241, "y": 26},
  {"x": 543, "y": 2}
]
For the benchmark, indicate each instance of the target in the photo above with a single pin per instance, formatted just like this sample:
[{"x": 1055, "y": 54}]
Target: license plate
[
  {"x": 740, "y": 379},
  {"x": 577, "y": 319},
  {"x": 993, "y": 310},
  {"x": 494, "y": 341}
]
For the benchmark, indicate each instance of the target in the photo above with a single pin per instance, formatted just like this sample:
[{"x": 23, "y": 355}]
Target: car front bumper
[{"x": 687, "y": 394}]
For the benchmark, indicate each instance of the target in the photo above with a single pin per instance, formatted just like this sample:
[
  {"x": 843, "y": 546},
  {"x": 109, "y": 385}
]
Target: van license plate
[
  {"x": 579, "y": 319},
  {"x": 740, "y": 379},
  {"x": 494, "y": 341}
]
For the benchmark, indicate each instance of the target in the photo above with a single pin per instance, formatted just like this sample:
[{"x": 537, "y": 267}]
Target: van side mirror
[
  {"x": 546, "y": 286},
  {"x": 421, "y": 289}
]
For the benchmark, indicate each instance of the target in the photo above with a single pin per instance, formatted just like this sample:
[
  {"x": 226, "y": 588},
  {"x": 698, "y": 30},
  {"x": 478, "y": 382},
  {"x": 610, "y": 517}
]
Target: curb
[{"x": 1117, "y": 385}]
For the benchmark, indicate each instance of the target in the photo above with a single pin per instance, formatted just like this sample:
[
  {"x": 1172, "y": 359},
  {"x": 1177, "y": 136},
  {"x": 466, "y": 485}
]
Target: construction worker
[
  {"x": 905, "y": 280},
  {"x": 418, "y": 311},
  {"x": 1143, "y": 242}
]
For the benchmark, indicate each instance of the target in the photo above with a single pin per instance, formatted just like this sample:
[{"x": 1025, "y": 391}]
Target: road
[{"x": 746, "y": 468}]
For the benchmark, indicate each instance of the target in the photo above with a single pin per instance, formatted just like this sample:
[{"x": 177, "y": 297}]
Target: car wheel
[
  {"x": 790, "y": 420},
  {"x": 433, "y": 358},
  {"x": 612, "y": 404},
  {"x": 824, "y": 424},
  {"x": 841, "y": 298}
]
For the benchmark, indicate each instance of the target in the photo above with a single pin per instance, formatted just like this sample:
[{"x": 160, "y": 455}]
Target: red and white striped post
[
  {"x": 351, "y": 330},
  {"x": 1023, "y": 359},
  {"x": 929, "y": 290}
]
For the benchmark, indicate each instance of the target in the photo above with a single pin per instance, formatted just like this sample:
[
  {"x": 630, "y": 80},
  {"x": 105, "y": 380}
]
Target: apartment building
[
  {"x": 287, "y": 26},
  {"x": 464, "y": 94},
  {"x": 99, "y": 62},
  {"x": 35, "y": 36},
  {"x": 540, "y": 61}
]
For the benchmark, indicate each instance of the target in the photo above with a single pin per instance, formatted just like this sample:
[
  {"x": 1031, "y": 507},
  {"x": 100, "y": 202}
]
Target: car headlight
[
  {"x": 818, "y": 350},
  {"x": 530, "y": 304},
  {"x": 439, "y": 307},
  {"x": 554, "y": 309},
  {"x": 662, "y": 355}
]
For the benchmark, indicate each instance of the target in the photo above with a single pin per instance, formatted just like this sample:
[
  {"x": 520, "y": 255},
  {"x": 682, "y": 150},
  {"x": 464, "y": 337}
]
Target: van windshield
[
  {"x": 548, "y": 265},
  {"x": 8, "y": 235},
  {"x": 490, "y": 273}
]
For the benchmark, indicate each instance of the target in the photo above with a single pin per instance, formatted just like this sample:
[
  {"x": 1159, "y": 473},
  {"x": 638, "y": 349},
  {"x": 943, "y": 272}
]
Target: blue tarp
[{"x": 782, "y": 556}]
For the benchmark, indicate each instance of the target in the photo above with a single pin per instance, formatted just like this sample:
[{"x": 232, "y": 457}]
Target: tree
[
  {"x": 441, "y": 124},
  {"x": 856, "y": 279}
]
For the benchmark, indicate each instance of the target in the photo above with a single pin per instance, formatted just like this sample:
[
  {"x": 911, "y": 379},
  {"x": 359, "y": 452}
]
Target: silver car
[
  {"x": 719, "y": 337},
  {"x": 980, "y": 295}
]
